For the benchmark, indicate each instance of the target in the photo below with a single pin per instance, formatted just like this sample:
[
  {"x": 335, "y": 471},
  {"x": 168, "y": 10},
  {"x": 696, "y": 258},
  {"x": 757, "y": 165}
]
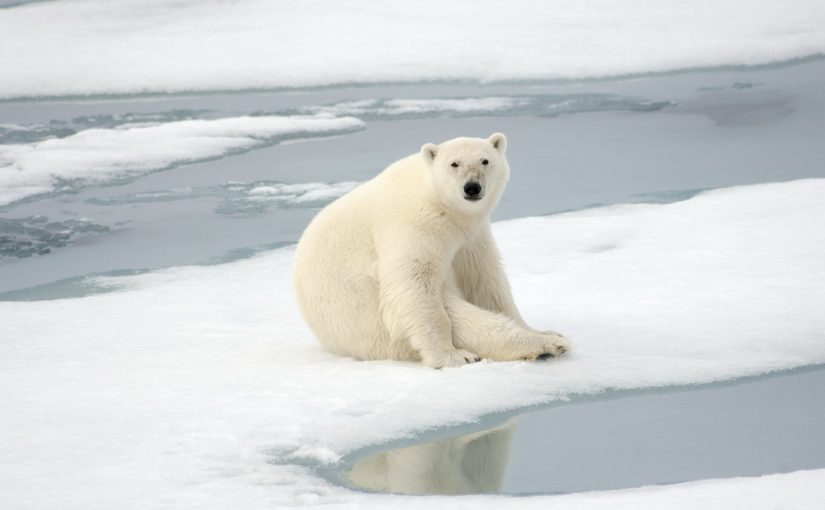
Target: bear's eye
[
  {"x": 484, "y": 161},
  {"x": 454, "y": 164}
]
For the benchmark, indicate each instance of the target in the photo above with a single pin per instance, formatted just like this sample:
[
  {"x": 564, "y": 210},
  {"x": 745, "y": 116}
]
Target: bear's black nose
[{"x": 472, "y": 189}]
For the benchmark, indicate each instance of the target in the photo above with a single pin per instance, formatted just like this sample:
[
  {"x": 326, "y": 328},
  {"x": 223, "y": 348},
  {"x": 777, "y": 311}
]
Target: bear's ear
[
  {"x": 429, "y": 151},
  {"x": 499, "y": 141}
]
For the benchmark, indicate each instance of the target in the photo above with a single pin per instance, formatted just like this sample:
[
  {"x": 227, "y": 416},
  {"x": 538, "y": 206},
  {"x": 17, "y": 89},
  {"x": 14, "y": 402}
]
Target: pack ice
[{"x": 201, "y": 387}]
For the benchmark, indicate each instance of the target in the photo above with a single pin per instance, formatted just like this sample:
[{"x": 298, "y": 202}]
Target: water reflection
[
  {"x": 749, "y": 427},
  {"x": 469, "y": 464}
]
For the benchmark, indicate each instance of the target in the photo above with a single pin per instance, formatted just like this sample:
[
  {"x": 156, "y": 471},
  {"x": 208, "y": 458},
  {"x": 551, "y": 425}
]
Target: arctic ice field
[{"x": 159, "y": 160}]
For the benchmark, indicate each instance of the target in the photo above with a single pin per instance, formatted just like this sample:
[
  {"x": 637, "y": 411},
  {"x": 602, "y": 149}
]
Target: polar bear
[{"x": 405, "y": 266}]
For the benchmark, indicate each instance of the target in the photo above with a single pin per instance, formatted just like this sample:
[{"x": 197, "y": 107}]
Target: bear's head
[{"x": 469, "y": 174}]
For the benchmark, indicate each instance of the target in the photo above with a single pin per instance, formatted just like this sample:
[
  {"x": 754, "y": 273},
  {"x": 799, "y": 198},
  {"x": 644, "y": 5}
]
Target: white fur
[{"x": 404, "y": 267}]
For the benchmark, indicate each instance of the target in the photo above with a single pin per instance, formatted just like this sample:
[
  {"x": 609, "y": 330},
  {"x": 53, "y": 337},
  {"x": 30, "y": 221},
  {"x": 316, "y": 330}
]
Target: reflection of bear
[
  {"x": 469, "y": 464},
  {"x": 405, "y": 266}
]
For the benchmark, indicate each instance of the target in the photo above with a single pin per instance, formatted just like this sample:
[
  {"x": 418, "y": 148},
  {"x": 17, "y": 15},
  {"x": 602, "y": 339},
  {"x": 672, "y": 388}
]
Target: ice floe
[
  {"x": 533, "y": 105},
  {"x": 201, "y": 386},
  {"x": 138, "y": 46},
  {"x": 101, "y": 155},
  {"x": 401, "y": 107},
  {"x": 35, "y": 132}
]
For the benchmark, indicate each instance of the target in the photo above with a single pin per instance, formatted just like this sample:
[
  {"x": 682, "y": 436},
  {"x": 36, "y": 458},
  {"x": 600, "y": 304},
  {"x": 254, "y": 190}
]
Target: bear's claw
[
  {"x": 454, "y": 358},
  {"x": 554, "y": 345}
]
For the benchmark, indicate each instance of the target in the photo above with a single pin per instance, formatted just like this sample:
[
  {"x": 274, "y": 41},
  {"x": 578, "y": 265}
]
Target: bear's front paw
[
  {"x": 551, "y": 333},
  {"x": 454, "y": 358},
  {"x": 553, "y": 345}
]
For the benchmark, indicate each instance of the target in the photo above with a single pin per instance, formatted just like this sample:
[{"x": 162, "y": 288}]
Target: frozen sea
[{"x": 665, "y": 212}]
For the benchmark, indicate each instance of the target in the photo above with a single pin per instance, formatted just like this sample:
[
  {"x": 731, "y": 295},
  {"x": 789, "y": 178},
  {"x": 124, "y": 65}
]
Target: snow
[
  {"x": 799, "y": 490},
  {"x": 201, "y": 386},
  {"x": 101, "y": 155},
  {"x": 140, "y": 46}
]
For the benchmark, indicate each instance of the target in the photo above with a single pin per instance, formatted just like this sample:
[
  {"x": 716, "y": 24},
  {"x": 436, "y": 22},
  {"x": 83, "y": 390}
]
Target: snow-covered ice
[
  {"x": 138, "y": 46},
  {"x": 302, "y": 193},
  {"x": 799, "y": 490},
  {"x": 201, "y": 386},
  {"x": 395, "y": 107},
  {"x": 100, "y": 155}
]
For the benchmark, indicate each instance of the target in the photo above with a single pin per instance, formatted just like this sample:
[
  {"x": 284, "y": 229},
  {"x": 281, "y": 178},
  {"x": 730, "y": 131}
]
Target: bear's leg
[
  {"x": 497, "y": 337},
  {"x": 481, "y": 278},
  {"x": 411, "y": 307}
]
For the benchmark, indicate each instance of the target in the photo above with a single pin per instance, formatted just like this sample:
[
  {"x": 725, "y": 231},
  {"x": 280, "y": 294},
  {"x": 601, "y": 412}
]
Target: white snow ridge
[
  {"x": 96, "y": 156},
  {"x": 200, "y": 387}
]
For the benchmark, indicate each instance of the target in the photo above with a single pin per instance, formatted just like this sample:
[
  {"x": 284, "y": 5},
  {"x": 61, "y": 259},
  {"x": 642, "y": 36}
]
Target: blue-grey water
[
  {"x": 758, "y": 426},
  {"x": 571, "y": 145}
]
